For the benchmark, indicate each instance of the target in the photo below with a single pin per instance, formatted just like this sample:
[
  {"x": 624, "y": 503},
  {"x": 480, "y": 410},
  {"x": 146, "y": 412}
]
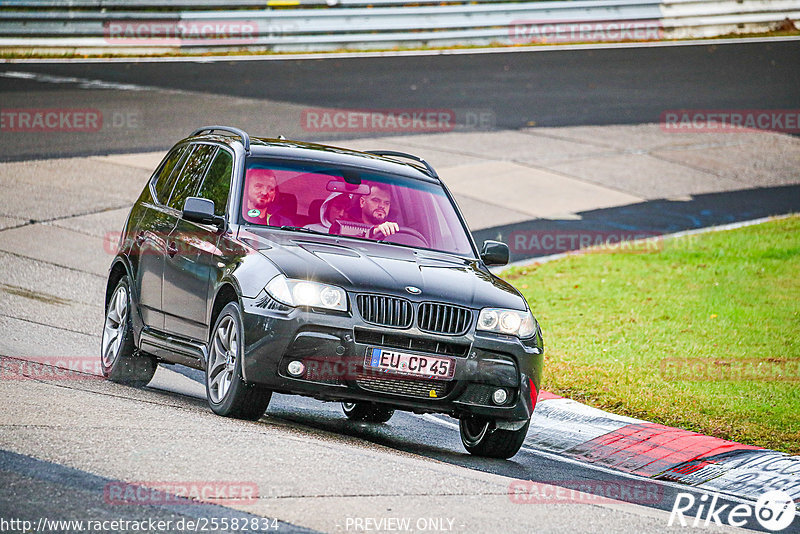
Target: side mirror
[
  {"x": 201, "y": 210},
  {"x": 494, "y": 253}
]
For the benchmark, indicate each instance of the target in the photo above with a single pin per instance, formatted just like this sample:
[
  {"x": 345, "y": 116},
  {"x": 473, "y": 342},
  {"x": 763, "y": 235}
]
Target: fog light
[
  {"x": 296, "y": 368},
  {"x": 499, "y": 396}
]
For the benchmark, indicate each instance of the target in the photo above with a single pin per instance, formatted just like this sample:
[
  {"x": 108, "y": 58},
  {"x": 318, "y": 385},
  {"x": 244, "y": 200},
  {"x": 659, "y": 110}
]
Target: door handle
[{"x": 172, "y": 249}]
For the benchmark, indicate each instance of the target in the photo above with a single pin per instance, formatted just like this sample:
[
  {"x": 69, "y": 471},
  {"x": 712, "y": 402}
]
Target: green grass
[{"x": 616, "y": 325}]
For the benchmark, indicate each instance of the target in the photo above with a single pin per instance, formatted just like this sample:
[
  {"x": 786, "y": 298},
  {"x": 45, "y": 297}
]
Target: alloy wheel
[
  {"x": 224, "y": 352},
  {"x": 114, "y": 328}
]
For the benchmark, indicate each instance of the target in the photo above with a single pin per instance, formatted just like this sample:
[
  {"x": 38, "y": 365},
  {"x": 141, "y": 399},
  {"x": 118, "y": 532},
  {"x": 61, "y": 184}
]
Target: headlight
[
  {"x": 516, "y": 323},
  {"x": 304, "y": 293}
]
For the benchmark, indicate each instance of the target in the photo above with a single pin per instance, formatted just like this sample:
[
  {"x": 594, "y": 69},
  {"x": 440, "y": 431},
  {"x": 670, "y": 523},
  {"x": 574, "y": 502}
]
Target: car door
[
  {"x": 190, "y": 251},
  {"x": 152, "y": 229}
]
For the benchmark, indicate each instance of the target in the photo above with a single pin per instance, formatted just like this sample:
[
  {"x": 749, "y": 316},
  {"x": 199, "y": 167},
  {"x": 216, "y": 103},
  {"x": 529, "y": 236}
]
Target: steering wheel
[{"x": 407, "y": 236}]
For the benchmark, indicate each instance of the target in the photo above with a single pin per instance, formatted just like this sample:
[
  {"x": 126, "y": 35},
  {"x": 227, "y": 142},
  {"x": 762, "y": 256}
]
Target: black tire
[
  {"x": 481, "y": 438},
  {"x": 120, "y": 361},
  {"x": 367, "y": 411},
  {"x": 227, "y": 393}
]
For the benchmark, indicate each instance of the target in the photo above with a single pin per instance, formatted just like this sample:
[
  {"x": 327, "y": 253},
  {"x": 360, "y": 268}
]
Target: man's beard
[
  {"x": 262, "y": 202},
  {"x": 373, "y": 219}
]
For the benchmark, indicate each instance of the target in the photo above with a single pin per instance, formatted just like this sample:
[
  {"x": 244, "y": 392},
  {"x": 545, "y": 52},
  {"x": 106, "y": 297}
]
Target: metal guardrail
[
  {"x": 214, "y": 4},
  {"x": 710, "y": 18},
  {"x": 41, "y": 27}
]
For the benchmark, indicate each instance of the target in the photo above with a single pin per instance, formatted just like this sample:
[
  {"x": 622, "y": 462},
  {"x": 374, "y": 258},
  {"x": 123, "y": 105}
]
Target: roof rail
[
  {"x": 229, "y": 129},
  {"x": 431, "y": 171}
]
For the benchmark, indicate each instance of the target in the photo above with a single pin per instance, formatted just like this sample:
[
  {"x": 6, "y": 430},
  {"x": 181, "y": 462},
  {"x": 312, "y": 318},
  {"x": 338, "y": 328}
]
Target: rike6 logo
[{"x": 774, "y": 510}]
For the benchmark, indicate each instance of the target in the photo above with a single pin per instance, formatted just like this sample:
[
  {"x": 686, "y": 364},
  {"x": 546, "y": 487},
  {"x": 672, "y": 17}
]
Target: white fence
[{"x": 152, "y": 26}]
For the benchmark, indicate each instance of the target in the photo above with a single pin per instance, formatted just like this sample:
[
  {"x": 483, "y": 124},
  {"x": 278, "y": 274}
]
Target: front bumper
[{"x": 332, "y": 346}]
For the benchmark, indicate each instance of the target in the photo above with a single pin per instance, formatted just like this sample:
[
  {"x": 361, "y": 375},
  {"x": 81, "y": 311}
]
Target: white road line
[
  {"x": 83, "y": 83},
  {"x": 406, "y": 53}
]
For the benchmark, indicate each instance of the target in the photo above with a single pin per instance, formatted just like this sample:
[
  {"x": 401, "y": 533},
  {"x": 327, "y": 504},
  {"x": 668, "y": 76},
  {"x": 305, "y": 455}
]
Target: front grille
[
  {"x": 398, "y": 341},
  {"x": 410, "y": 387},
  {"x": 443, "y": 318},
  {"x": 385, "y": 311},
  {"x": 480, "y": 394}
]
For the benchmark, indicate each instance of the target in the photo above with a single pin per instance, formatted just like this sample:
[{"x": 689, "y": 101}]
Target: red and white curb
[{"x": 569, "y": 428}]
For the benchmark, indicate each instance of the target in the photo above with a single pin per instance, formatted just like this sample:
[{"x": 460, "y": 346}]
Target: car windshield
[{"x": 352, "y": 203}]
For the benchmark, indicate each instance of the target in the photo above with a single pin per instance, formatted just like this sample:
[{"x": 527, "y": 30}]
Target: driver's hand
[{"x": 386, "y": 228}]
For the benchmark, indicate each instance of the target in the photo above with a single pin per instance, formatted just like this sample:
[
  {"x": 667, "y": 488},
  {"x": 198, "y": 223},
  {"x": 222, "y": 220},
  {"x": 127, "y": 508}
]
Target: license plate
[{"x": 411, "y": 364}]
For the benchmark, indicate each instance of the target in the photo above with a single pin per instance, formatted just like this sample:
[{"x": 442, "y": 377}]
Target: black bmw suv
[{"x": 297, "y": 268}]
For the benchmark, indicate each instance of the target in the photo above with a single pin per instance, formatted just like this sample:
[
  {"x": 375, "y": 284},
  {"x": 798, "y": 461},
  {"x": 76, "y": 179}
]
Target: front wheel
[
  {"x": 367, "y": 411},
  {"x": 119, "y": 359},
  {"x": 227, "y": 392},
  {"x": 481, "y": 438}
]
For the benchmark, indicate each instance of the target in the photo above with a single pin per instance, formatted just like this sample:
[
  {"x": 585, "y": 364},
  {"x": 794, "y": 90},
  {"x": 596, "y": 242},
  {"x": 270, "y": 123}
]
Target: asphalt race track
[
  {"x": 344, "y": 478},
  {"x": 495, "y": 91},
  {"x": 63, "y": 444}
]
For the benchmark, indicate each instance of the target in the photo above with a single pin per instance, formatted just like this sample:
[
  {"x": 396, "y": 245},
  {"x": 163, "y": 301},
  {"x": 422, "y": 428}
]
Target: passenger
[
  {"x": 333, "y": 210},
  {"x": 260, "y": 206}
]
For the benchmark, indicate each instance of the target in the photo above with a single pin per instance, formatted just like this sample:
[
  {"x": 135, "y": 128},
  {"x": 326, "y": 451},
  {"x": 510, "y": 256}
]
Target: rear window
[{"x": 351, "y": 203}]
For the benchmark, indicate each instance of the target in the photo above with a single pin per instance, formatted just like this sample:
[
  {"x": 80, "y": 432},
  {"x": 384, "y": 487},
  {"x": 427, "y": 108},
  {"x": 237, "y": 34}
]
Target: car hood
[{"x": 383, "y": 268}]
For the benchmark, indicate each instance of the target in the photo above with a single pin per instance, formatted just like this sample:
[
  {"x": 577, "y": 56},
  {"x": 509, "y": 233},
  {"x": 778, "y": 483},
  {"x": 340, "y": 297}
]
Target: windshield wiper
[{"x": 301, "y": 229}]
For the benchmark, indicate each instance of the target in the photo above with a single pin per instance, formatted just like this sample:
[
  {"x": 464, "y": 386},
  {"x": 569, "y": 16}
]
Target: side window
[
  {"x": 218, "y": 181},
  {"x": 162, "y": 184},
  {"x": 191, "y": 174}
]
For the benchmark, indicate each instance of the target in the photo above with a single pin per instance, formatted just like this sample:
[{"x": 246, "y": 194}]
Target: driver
[{"x": 374, "y": 210}]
